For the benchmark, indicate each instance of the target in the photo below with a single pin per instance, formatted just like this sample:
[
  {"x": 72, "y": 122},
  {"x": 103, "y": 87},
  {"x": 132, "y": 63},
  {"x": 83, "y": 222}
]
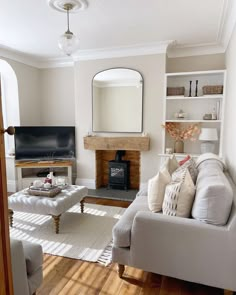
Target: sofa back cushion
[{"x": 214, "y": 194}]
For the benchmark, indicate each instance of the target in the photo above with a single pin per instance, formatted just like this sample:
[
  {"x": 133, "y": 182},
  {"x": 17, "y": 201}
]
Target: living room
[{"x": 58, "y": 91}]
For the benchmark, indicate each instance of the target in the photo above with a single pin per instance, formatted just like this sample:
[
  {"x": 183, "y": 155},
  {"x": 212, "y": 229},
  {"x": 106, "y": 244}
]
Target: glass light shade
[
  {"x": 68, "y": 43},
  {"x": 208, "y": 134}
]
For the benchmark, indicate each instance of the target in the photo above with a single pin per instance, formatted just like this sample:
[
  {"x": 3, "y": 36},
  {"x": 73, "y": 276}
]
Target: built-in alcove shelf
[{"x": 140, "y": 143}]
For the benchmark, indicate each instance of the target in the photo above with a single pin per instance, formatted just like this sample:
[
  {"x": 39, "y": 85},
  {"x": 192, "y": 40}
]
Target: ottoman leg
[
  {"x": 56, "y": 222},
  {"x": 10, "y": 216},
  {"x": 82, "y": 206}
]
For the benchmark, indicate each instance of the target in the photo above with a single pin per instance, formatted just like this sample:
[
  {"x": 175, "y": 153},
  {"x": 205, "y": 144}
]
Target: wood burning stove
[{"x": 119, "y": 172}]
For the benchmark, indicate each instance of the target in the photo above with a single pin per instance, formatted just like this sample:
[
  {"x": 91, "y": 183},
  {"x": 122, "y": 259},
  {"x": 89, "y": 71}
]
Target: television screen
[{"x": 44, "y": 143}]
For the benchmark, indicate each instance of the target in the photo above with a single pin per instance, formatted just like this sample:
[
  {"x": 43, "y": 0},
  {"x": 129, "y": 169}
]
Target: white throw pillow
[
  {"x": 156, "y": 189},
  {"x": 179, "y": 196}
]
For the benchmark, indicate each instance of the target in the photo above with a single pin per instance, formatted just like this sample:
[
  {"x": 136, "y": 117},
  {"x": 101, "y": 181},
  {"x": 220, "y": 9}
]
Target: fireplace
[
  {"x": 119, "y": 172},
  {"x": 103, "y": 158}
]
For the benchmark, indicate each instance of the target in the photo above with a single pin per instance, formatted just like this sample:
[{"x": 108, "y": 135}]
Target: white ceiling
[{"x": 32, "y": 27}]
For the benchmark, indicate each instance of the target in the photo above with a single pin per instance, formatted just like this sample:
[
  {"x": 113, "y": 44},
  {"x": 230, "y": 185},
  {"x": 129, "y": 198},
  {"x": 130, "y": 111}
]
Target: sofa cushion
[
  {"x": 179, "y": 196},
  {"x": 184, "y": 160},
  {"x": 156, "y": 189},
  {"x": 214, "y": 194},
  {"x": 122, "y": 230},
  {"x": 171, "y": 163}
]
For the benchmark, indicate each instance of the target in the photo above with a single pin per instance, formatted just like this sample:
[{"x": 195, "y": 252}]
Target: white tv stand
[{"x": 27, "y": 171}]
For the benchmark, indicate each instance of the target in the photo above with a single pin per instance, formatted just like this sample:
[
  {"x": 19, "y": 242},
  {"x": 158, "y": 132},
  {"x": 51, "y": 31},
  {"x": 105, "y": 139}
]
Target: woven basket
[
  {"x": 172, "y": 91},
  {"x": 43, "y": 192},
  {"x": 213, "y": 89}
]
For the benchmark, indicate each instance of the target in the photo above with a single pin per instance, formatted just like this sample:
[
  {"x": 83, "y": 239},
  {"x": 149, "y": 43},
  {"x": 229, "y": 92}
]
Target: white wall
[
  {"x": 196, "y": 63},
  {"x": 29, "y": 92},
  {"x": 152, "y": 69},
  {"x": 57, "y": 98},
  {"x": 229, "y": 142}
]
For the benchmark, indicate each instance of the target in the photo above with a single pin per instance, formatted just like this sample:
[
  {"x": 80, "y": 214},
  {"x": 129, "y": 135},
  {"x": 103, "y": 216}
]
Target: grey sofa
[
  {"x": 184, "y": 248},
  {"x": 27, "y": 260}
]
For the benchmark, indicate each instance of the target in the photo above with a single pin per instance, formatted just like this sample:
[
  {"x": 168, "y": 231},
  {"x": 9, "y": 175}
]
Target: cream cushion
[
  {"x": 171, "y": 164},
  {"x": 179, "y": 196},
  {"x": 156, "y": 189}
]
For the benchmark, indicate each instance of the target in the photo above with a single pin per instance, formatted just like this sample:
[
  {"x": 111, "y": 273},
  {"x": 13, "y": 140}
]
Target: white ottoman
[{"x": 67, "y": 198}]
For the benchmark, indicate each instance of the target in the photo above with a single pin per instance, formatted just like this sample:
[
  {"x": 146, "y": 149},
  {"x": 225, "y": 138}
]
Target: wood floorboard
[{"x": 65, "y": 276}]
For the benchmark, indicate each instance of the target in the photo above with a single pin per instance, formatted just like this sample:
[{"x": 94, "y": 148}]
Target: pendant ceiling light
[{"x": 68, "y": 42}]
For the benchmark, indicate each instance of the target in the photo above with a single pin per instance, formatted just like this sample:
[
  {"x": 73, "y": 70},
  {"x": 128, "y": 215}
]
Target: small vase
[{"x": 179, "y": 146}]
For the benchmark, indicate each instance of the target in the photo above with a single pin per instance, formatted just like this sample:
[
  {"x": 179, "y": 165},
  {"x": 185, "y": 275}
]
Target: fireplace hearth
[{"x": 119, "y": 172}]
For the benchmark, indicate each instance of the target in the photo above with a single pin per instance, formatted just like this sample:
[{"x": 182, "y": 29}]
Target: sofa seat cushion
[
  {"x": 214, "y": 194},
  {"x": 33, "y": 256},
  {"x": 122, "y": 230}
]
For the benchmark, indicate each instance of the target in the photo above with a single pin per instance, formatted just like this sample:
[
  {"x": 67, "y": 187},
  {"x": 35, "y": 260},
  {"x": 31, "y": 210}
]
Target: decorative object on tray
[
  {"x": 175, "y": 91},
  {"x": 212, "y": 89},
  {"x": 180, "y": 115},
  {"x": 181, "y": 133},
  {"x": 190, "y": 89},
  {"x": 50, "y": 192},
  {"x": 196, "y": 88}
]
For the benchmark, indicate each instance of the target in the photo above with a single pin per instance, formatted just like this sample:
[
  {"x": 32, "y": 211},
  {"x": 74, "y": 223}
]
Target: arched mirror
[{"x": 118, "y": 101}]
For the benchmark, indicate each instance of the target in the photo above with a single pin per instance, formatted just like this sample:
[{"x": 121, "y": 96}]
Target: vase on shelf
[{"x": 179, "y": 146}]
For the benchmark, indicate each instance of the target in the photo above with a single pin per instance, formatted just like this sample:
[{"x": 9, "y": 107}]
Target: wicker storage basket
[
  {"x": 213, "y": 89},
  {"x": 44, "y": 192},
  {"x": 172, "y": 91}
]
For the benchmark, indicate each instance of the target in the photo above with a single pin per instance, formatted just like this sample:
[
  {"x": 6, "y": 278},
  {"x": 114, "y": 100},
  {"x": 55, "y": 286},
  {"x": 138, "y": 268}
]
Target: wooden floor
[{"x": 64, "y": 276}]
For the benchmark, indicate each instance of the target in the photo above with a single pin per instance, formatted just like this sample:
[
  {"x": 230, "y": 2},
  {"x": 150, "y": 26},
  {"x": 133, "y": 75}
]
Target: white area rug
[{"x": 85, "y": 236}]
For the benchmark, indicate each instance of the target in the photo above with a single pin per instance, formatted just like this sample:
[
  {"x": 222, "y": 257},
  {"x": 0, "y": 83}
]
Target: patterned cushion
[
  {"x": 191, "y": 166},
  {"x": 156, "y": 189},
  {"x": 179, "y": 196}
]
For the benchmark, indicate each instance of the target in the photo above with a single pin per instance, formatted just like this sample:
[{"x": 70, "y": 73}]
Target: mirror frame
[{"x": 141, "y": 105}]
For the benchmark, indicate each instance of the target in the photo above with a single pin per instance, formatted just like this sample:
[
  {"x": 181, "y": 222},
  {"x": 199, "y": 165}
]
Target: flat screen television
[{"x": 44, "y": 142}]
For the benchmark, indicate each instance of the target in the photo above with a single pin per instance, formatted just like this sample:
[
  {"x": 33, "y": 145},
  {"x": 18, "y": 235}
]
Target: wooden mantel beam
[{"x": 140, "y": 143}]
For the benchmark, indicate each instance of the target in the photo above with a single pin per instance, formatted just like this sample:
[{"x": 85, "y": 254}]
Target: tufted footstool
[{"x": 67, "y": 198}]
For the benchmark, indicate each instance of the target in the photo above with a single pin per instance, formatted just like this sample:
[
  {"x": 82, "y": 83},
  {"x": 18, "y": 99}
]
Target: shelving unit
[
  {"x": 194, "y": 107},
  {"x": 27, "y": 171}
]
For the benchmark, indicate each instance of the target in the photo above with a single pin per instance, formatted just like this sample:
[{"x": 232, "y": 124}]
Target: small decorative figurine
[
  {"x": 190, "y": 90},
  {"x": 196, "y": 88}
]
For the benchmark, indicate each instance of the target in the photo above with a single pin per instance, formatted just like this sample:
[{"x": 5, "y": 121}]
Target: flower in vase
[{"x": 182, "y": 132}]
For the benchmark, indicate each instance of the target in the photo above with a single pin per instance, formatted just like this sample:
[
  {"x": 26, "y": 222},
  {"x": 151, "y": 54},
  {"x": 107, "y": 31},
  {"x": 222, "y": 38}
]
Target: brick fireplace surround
[{"x": 105, "y": 149}]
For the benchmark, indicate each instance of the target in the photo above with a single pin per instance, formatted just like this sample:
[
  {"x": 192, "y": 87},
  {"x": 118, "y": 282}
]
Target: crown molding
[
  {"x": 227, "y": 23},
  {"x": 18, "y": 56},
  {"x": 101, "y": 53},
  {"x": 105, "y": 53}
]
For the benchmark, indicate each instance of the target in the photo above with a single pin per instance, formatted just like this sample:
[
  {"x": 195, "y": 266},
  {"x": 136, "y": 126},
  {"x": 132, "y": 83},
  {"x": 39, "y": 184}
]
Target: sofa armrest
[{"x": 19, "y": 273}]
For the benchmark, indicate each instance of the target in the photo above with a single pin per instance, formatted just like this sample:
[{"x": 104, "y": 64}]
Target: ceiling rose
[{"x": 75, "y": 4}]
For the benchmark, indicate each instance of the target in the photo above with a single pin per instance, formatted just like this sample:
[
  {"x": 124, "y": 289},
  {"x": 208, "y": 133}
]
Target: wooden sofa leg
[{"x": 121, "y": 269}]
